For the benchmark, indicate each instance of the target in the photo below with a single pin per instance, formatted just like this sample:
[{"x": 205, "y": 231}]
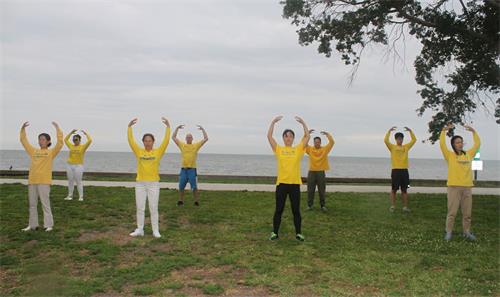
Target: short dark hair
[
  {"x": 317, "y": 137},
  {"x": 287, "y": 131},
  {"x": 148, "y": 134},
  {"x": 77, "y": 136},
  {"x": 47, "y": 137},
  {"x": 453, "y": 147},
  {"x": 399, "y": 135}
]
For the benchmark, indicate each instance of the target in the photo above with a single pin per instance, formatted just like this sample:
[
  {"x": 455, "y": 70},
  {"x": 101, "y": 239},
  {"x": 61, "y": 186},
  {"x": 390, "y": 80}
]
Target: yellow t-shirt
[
  {"x": 148, "y": 163},
  {"x": 399, "y": 153},
  {"x": 318, "y": 158},
  {"x": 459, "y": 166},
  {"x": 77, "y": 152},
  {"x": 189, "y": 153},
  {"x": 41, "y": 160},
  {"x": 288, "y": 159}
]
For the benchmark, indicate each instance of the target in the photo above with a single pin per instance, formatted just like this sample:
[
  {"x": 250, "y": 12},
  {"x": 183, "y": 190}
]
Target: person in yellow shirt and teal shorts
[
  {"x": 288, "y": 181},
  {"x": 459, "y": 179},
  {"x": 400, "y": 177},
  {"x": 189, "y": 151},
  {"x": 40, "y": 175},
  {"x": 74, "y": 165},
  {"x": 318, "y": 164},
  {"x": 147, "y": 185}
]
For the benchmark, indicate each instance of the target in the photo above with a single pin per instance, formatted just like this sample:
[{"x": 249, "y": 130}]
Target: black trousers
[{"x": 292, "y": 191}]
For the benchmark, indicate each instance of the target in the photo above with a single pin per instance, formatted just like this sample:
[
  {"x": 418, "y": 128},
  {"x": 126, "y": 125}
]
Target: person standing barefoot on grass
[
  {"x": 40, "y": 175},
  {"x": 74, "y": 166},
  {"x": 147, "y": 185},
  {"x": 288, "y": 180},
  {"x": 400, "y": 178},
  {"x": 459, "y": 179},
  {"x": 189, "y": 151},
  {"x": 318, "y": 164}
]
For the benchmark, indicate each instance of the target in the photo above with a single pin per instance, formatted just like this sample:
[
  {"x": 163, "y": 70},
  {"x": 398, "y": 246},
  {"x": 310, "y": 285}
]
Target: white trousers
[
  {"x": 146, "y": 190},
  {"x": 42, "y": 191},
  {"x": 75, "y": 175}
]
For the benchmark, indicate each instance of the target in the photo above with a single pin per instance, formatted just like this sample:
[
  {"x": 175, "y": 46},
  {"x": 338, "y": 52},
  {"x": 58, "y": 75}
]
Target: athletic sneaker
[
  {"x": 469, "y": 236},
  {"x": 156, "y": 234},
  {"x": 406, "y": 209},
  {"x": 196, "y": 203},
  {"x": 323, "y": 208},
  {"x": 68, "y": 198},
  {"x": 300, "y": 237},
  {"x": 28, "y": 229},
  {"x": 48, "y": 229},
  {"x": 273, "y": 236},
  {"x": 392, "y": 209},
  {"x": 137, "y": 232},
  {"x": 80, "y": 199},
  {"x": 180, "y": 203},
  {"x": 447, "y": 236}
]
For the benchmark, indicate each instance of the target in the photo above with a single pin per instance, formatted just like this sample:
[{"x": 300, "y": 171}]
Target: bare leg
[
  {"x": 405, "y": 199},
  {"x": 196, "y": 195},
  {"x": 181, "y": 195},
  {"x": 393, "y": 198}
]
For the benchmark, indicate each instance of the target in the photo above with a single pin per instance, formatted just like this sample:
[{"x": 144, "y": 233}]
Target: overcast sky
[{"x": 228, "y": 65}]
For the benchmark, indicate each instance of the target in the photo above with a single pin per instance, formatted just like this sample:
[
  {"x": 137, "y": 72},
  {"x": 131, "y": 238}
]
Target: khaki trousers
[
  {"x": 459, "y": 197},
  {"x": 42, "y": 191}
]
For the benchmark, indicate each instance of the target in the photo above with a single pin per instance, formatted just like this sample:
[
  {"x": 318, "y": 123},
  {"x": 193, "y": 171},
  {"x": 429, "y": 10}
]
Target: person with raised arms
[
  {"x": 40, "y": 175},
  {"x": 147, "y": 182},
  {"x": 288, "y": 181},
  {"x": 74, "y": 166}
]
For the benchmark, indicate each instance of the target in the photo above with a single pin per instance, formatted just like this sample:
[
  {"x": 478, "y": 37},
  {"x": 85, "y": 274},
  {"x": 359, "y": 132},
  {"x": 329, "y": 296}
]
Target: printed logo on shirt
[
  {"x": 40, "y": 155},
  {"x": 144, "y": 158},
  {"x": 288, "y": 153}
]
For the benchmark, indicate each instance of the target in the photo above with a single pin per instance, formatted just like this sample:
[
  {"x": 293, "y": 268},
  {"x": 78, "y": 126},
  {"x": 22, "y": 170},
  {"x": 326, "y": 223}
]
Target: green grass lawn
[{"x": 221, "y": 248}]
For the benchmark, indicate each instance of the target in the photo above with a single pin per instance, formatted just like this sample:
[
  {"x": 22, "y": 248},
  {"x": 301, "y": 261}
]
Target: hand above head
[
  {"x": 407, "y": 129},
  {"x": 200, "y": 127},
  {"x": 323, "y": 133},
  {"x": 83, "y": 131},
  {"x": 55, "y": 125},
  {"x": 299, "y": 119},
  {"x": 469, "y": 128},
  {"x": 277, "y": 119},
  {"x": 180, "y": 127},
  {"x": 311, "y": 131},
  {"x": 448, "y": 127},
  {"x": 25, "y": 124},
  {"x": 132, "y": 122},
  {"x": 393, "y": 128},
  {"x": 165, "y": 121},
  {"x": 73, "y": 131}
]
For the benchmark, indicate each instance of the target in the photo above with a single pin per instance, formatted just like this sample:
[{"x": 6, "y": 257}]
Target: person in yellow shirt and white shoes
[
  {"x": 318, "y": 164},
  {"x": 40, "y": 175},
  {"x": 288, "y": 180},
  {"x": 189, "y": 151},
  {"x": 74, "y": 166},
  {"x": 400, "y": 178},
  {"x": 459, "y": 179},
  {"x": 148, "y": 177}
]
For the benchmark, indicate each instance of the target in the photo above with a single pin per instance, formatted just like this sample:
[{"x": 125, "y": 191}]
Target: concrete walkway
[{"x": 263, "y": 188}]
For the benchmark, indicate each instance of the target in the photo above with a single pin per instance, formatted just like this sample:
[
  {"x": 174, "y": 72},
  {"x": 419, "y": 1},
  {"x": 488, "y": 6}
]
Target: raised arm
[
  {"x": 270, "y": 132},
  {"x": 166, "y": 138},
  {"x": 174, "y": 137},
  {"x": 205, "y": 135},
  {"x": 66, "y": 139},
  {"x": 413, "y": 138},
  {"x": 331, "y": 142},
  {"x": 305, "y": 138},
  {"x": 89, "y": 139},
  {"x": 24, "y": 140},
  {"x": 130, "y": 136},
  {"x": 477, "y": 141},
  {"x": 60, "y": 142},
  {"x": 386, "y": 138},
  {"x": 442, "y": 141}
]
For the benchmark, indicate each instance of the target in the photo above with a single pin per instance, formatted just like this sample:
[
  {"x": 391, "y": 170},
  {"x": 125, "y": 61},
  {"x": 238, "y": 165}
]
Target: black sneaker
[
  {"x": 180, "y": 203},
  {"x": 196, "y": 203}
]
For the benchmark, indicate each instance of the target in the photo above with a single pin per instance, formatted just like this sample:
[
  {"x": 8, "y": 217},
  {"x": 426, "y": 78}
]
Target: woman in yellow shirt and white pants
[
  {"x": 74, "y": 166},
  {"x": 148, "y": 178},
  {"x": 40, "y": 175},
  {"x": 288, "y": 180},
  {"x": 459, "y": 179}
]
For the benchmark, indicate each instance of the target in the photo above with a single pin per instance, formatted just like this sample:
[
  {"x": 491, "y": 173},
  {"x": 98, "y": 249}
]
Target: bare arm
[
  {"x": 205, "y": 135},
  {"x": 270, "y": 132},
  {"x": 174, "y": 137},
  {"x": 331, "y": 142}
]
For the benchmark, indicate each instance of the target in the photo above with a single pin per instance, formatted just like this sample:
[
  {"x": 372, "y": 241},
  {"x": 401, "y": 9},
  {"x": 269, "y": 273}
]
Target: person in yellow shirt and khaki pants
[
  {"x": 74, "y": 166},
  {"x": 288, "y": 180},
  {"x": 189, "y": 152},
  {"x": 318, "y": 164},
  {"x": 459, "y": 179},
  {"x": 400, "y": 177},
  {"x": 147, "y": 185},
  {"x": 40, "y": 175}
]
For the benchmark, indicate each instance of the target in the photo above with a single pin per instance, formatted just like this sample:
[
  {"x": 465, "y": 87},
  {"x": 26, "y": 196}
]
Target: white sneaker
[
  {"x": 27, "y": 229},
  {"x": 137, "y": 232},
  {"x": 68, "y": 198},
  {"x": 406, "y": 209},
  {"x": 48, "y": 229},
  {"x": 156, "y": 234},
  {"x": 80, "y": 199},
  {"x": 392, "y": 209}
]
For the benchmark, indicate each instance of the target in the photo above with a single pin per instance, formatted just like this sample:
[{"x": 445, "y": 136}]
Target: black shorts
[{"x": 400, "y": 179}]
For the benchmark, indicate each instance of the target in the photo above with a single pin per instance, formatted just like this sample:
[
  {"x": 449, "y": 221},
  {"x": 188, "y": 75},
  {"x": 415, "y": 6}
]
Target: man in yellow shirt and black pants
[
  {"x": 189, "y": 151},
  {"x": 318, "y": 164},
  {"x": 400, "y": 178}
]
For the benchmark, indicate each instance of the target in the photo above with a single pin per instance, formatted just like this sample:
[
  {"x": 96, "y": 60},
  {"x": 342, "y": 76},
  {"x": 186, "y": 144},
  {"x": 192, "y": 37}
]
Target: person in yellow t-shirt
[
  {"x": 318, "y": 164},
  {"x": 189, "y": 151},
  {"x": 288, "y": 181},
  {"x": 148, "y": 178},
  {"x": 400, "y": 178},
  {"x": 74, "y": 165},
  {"x": 40, "y": 175},
  {"x": 459, "y": 179}
]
